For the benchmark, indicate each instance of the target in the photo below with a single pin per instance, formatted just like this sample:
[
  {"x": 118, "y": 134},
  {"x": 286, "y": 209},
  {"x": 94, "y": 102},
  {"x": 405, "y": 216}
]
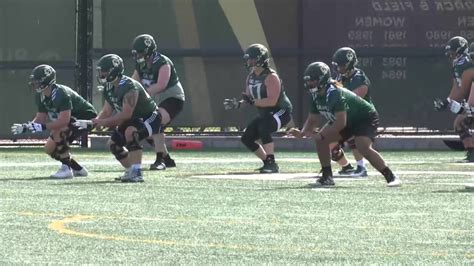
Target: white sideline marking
[{"x": 276, "y": 176}]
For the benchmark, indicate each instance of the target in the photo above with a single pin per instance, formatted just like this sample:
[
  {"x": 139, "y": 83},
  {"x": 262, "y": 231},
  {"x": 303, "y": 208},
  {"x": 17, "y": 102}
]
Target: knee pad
[
  {"x": 249, "y": 142},
  {"x": 337, "y": 153},
  {"x": 134, "y": 145},
  {"x": 352, "y": 143},
  {"x": 118, "y": 151},
  {"x": 118, "y": 138},
  {"x": 463, "y": 131},
  {"x": 62, "y": 147}
]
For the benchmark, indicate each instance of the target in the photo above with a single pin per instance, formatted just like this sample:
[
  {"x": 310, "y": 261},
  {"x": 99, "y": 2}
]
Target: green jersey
[
  {"x": 340, "y": 100},
  {"x": 460, "y": 65},
  {"x": 64, "y": 98},
  {"x": 258, "y": 90},
  {"x": 114, "y": 96},
  {"x": 149, "y": 76},
  {"x": 353, "y": 82}
]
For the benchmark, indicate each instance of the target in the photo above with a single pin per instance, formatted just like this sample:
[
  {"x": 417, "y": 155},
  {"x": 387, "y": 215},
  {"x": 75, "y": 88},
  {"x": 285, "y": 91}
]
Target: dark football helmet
[
  {"x": 41, "y": 77},
  {"x": 143, "y": 47},
  {"x": 258, "y": 52},
  {"x": 109, "y": 67},
  {"x": 456, "y": 47},
  {"x": 319, "y": 72},
  {"x": 345, "y": 56}
]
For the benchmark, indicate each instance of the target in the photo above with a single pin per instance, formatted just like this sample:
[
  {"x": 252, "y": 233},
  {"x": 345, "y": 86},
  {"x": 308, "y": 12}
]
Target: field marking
[{"x": 60, "y": 226}]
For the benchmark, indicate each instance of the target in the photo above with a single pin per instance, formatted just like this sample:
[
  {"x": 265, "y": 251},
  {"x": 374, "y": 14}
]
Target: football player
[
  {"x": 58, "y": 107},
  {"x": 264, "y": 90},
  {"x": 130, "y": 110},
  {"x": 156, "y": 72},
  {"x": 348, "y": 116},
  {"x": 463, "y": 76},
  {"x": 355, "y": 80}
]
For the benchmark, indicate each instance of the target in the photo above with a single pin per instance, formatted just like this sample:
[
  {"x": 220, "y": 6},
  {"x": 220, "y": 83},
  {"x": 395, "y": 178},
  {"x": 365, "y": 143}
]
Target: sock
[
  {"x": 270, "y": 158},
  {"x": 167, "y": 157},
  {"x": 66, "y": 161},
  {"x": 136, "y": 166},
  {"x": 159, "y": 156},
  {"x": 327, "y": 171},
  {"x": 361, "y": 163},
  {"x": 75, "y": 166},
  {"x": 388, "y": 174},
  {"x": 347, "y": 166}
]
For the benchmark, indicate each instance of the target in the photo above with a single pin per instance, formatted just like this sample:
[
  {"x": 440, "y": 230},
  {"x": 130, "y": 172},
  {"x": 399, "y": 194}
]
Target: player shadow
[
  {"x": 307, "y": 186},
  {"x": 462, "y": 190},
  {"x": 98, "y": 182},
  {"x": 39, "y": 178}
]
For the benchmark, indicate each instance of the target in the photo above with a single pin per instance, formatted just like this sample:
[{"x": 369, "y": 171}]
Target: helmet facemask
[{"x": 42, "y": 77}]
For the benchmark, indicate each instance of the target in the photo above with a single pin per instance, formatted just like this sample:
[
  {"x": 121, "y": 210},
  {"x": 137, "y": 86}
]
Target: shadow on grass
[
  {"x": 463, "y": 190},
  {"x": 98, "y": 182},
  {"x": 307, "y": 186},
  {"x": 28, "y": 179}
]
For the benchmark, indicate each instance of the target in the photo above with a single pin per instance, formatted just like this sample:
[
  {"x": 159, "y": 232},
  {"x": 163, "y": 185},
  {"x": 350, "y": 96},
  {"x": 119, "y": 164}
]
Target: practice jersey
[
  {"x": 338, "y": 100},
  {"x": 149, "y": 76},
  {"x": 62, "y": 99},
  {"x": 258, "y": 90},
  {"x": 114, "y": 96},
  {"x": 353, "y": 82},
  {"x": 460, "y": 65}
]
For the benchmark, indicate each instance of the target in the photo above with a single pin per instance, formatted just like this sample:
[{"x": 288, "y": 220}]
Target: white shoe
[
  {"x": 124, "y": 175},
  {"x": 470, "y": 186},
  {"x": 395, "y": 182},
  {"x": 134, "y": 176},
  {"x": 82, "y": 172},
  {"x": 64, "y": 172}
]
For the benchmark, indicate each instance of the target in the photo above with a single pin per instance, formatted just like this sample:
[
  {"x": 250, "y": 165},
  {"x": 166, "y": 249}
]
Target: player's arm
[
  {"x": 361, "y": 91},
  {"x": 335, "y": 127},
  {"x": 467, "y": 85},
  {"x": 311, "y": 123},
  {"x": 62, "y": 121},
  {"x": 164, "y": 75},
  {"x": 40, "y": 118},
  {"x": 128, "y": 105},
  {"x": 135, "y": 75},
  {"x": 106, "y": 111},
  {"x": 273, "y": 84}
]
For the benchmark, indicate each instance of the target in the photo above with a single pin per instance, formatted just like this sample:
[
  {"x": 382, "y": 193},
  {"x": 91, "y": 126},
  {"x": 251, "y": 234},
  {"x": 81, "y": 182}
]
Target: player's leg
[
  {"x": 324, "y": 155},
  {"x": 250, "y": 137},
  {"x": 270, "y": 124},
  {"x": 462, "y": 129},
  {"x": 338, "y": 155},
  {"x": 168, "y": 109},
  {"x": 361, "y": 170},
  {"x": 135, "y": 153},
  {"x": 57, "y": 147}
]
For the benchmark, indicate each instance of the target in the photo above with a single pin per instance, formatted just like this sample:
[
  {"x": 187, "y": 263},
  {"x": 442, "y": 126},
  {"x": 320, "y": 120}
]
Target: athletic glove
[
  {"x": 230, "y": 104},
  {"x": 248, "y": 99},
  {"x": 35, "y": 127},
  {"x": 83, "y": 124},
  {"x": 440, "y": 105},
  {"x": 454, "y": 106},
  {"x": 19, "y": 128}
]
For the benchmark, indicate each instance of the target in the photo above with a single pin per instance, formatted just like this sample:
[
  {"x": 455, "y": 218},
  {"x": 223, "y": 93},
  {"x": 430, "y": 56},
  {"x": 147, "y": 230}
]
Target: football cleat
[
  {"x": 269, "y": 168},
  {"x": 64, "y": 172},
  {"x": 133, "y": 176},
  {"x": 396, "y": 182},
  {"x": 324, "y": 182},
  {"x": 469, "y": 157},
  {"x": 346, "y": 170},
  {"x": 82, "y": 172},
  {"x": 360, "y": 171},
  {"x": 158, "y": 165}
]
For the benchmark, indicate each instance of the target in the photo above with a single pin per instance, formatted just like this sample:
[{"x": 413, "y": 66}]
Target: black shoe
[
  {"x": 169, "y": 162},
  {"x": 469, "y": 157},
  {"x": 324, "y": 181},
  {"x": 158, "y": 165},
  {"x": 346, "y": 170},
  {"x": 269, "y": 168}
]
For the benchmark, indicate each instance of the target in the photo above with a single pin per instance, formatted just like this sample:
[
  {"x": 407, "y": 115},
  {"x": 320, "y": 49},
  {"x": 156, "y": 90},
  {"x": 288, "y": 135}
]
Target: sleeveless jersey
[
  {"x": 114, "y": 96},
  {"x": 460, "y": 65},
  {"x": 149, "y": 76},
  {"x": 353, "y": 82},
  {"x": 341, "y": 99},
  {"x": 258, "y": 90},
  {"x": 64, "y": 98}
]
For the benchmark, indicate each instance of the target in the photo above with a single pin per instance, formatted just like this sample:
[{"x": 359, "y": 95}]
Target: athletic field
[{"x": 212, "y": 209}]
